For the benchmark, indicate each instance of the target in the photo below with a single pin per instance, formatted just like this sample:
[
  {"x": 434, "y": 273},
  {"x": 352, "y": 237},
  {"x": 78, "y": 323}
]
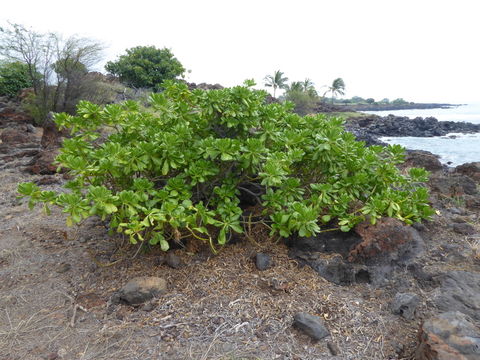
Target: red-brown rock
[
  {"x": 385, "y": 236},
  {"x": 51, "y": 137},
  {"x": 15, "y": 136},
  {"x": 448, "y": 336},
  {"x": 42, "y": 164}
]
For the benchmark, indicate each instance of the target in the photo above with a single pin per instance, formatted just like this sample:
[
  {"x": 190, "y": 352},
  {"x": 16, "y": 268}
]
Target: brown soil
[{"x": 55, "y": 287}]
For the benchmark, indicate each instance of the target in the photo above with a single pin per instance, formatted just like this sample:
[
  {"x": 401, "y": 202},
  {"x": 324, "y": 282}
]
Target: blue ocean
[{"x": 453, "y": 149}]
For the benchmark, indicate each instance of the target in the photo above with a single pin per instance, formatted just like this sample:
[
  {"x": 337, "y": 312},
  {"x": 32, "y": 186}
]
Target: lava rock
[
  {"x": 263, "y": 261},
  {"x": 42, "y": 163},
  {"x": 405, "y": 305},
  {"x": 424, "y": 159},
  {"x": 453, "y": 185},
  {"x": 15, "y": 136},
  {"x": 312, "y": 325},
  {"x": 335, "y": 270},
  {"x": 448, "y": 336},
  {"x": 388, "y": 241},
  {"x": 142, "y": 289},
  {"x": 459, "y": 291},
  {"x": 471, "y": 170},
  {"x": 173, "y": 260},
  {"x": 464, "y": 228}
]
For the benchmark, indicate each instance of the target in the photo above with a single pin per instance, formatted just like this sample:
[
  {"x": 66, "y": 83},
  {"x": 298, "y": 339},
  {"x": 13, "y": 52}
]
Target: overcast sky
[{"x": 419, "y": 50}]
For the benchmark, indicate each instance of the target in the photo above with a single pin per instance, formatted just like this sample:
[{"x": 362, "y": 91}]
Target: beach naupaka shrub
[{"x": 178, "y": 168}]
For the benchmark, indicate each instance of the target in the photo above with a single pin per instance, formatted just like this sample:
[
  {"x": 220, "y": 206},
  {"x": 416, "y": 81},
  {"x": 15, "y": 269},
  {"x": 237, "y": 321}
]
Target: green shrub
[
  {"x": 178, "y": 169},
  {"x": 14, "y": 76},
  {"x": 304, "y": 102},
  {"x": 146, "y": 67}
]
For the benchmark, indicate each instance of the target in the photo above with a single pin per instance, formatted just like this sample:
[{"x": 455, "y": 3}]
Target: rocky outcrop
[
  {"x": 452, "y": 185},
  {"x": 448, "y": 336},
  {"x": 459, "y": 291},
  {"x": 392, "y": 125},
  {"x": 423, "y": 159},
  {"x": 472, "y": 170},
  {"x": 405, "y": 106},
  {"x": 15, "y": 136},
  {"x": 388, "y": 238}
]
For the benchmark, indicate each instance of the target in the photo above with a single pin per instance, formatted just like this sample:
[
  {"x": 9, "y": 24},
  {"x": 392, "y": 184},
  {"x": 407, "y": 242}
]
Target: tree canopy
[
  {"x": 276, "y": 81},
  {"x": 14, "y": 77},
  {"x": 146, "y": 67}
]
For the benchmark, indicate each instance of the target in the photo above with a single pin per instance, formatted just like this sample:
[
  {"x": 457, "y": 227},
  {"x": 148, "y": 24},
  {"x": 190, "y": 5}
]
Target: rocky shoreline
[
  {"x": 408, "y": 106},
  {"x": 371, "y": 127}
]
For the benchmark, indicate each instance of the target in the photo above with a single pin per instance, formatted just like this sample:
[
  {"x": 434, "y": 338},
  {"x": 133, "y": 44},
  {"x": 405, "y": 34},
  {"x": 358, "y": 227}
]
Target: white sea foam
[{"x": 454, "y": 149}]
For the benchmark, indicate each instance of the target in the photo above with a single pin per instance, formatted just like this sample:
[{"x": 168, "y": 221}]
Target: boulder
[
  {"x": 311, "y": 325},
  {"x": 405, "y": 305},
  {"x": 389, "y": 240},
  {"x": 453, "y": 185},
  {"x": 142, "y": 289},
  {"x": 472, "y": 170},
  {"x": 263, "y": 261},
  {"x": 448, "y": 336},
  {"x": 423, "y": 159},
  {"x": 459, "y": 291}
]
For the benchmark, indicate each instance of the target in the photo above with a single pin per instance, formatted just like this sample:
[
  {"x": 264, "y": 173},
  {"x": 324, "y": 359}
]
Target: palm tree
[
  {"x": 277, "y": 81},
  {"x": 309, "y": 87},
  {"x": 295, "y": 86},
  {"x": 337, "y": 87}
]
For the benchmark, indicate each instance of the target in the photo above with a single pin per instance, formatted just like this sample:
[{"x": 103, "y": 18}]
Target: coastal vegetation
[
  {"x": 195, "y": 162},
  {"x": 146, "y": 67},
  {"x": 57, "y": 69}
]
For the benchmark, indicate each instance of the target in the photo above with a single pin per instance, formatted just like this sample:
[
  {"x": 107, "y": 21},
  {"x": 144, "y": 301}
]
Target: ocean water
[{"x": 453, "y": 149}]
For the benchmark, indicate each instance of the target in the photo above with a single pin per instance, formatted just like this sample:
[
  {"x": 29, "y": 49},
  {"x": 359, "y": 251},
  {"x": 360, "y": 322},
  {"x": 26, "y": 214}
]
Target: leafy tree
[
  {"x": 46, "y": 53},
  {"x": 357, "y": 100},
  {"x": 337, "y": 88},
  {"x": 399, "y": 101},
  {"x": 370, "y": 100},
  {"x": 179, "y": 169},
  {"x": 146, "y": 66},
  {"x": 384, "y": 101},
  {"x": 14, "y": 76},
  {"x": 75, "y": 57},
  {"x": 276, "y": 81},
  {"x": 304, "y": 103}
]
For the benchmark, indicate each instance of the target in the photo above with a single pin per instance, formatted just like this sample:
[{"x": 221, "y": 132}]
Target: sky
[{"x": 421, "y": 50}]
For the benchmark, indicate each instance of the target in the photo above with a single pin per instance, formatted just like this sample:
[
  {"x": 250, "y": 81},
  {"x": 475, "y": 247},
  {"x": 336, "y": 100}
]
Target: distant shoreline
[{"x": 390, "y": 107}]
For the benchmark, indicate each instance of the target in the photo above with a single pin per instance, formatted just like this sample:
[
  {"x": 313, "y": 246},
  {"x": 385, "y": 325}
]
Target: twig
[{"x": 75, "y": 308}]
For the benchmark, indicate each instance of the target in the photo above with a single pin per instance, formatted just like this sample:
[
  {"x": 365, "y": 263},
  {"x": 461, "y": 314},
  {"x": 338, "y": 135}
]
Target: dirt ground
[{"x": 56, "y": 282}]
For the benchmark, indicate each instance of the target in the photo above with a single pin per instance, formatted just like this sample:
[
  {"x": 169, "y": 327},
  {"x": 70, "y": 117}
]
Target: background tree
[
  {"x": 146, "y": 66},
  {"x": 75, "y": 57},
  {"x": 309, "y": 87},
  {"x": 294, "y": 86},
  {"x": 370, "y": 100},
  {"x": 14, "y": 76},
  {"x": 47, "y": 54},
  {"x": 337, "y": 88},
  {"x": 303, "y": 95},
  {"x": 276, "y": 81}
]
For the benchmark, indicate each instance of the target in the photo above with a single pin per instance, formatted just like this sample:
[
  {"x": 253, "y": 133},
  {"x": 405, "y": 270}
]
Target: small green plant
[{"x": 178, "y": 169}]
